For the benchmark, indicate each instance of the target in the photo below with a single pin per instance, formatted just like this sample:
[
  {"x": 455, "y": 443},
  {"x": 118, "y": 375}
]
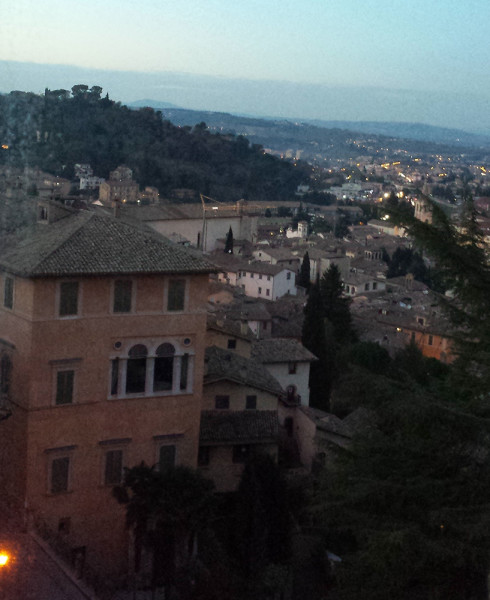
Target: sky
[{"x": 431, "y": 51}]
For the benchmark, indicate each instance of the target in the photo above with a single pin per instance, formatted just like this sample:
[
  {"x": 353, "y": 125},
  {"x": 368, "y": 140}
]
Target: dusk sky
[{"x": 432, "y": 49}]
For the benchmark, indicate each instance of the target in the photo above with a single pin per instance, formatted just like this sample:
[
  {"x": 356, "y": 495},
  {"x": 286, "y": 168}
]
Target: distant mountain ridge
[{"x": 330, "y": 139}]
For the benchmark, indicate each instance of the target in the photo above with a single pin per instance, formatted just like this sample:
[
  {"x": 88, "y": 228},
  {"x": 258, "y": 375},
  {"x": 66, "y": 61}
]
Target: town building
[{"x": 102, "y": 336}]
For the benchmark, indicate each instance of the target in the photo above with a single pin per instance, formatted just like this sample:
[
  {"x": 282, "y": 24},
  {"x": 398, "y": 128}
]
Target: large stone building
[
  {"x": 120, "y": 186},
  {"x": 102, "y": 337}
]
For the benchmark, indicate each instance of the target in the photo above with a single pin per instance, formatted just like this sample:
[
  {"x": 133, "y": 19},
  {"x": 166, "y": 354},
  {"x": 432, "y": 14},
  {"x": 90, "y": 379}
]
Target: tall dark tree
[
  {"x": 166, "y": 510},
  {"x": 315, "y": 339},
  {"x": 335, "y": 305},
  {"x": 229, "y": 242},
  {"x": 304, "y": 272}
]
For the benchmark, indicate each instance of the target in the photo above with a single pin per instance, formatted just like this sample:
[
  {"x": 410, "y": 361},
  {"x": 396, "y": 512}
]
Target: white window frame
[{"x": 151, "y": 345}]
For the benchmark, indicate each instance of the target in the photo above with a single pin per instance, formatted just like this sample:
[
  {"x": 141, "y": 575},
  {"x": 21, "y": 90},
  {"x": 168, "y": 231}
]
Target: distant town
[{"x": 164, "y": 336}]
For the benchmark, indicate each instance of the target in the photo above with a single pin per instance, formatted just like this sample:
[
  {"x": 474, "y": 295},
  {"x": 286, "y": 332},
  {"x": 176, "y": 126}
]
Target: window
[
  {"x": 260, "y": 290},
  {"x": 241, "y": 453},
  {"x": 151, "y": 371},
  {"x": 366, "y": 287},
  {"x": 431, "y": 340},
  {"x": 68, "y": 298},
  {"x": 231, "y": 345},
  {"x": 184, "y": 372},
  {"x": 113, "y": 468},
  {"x": 292, "y": 368},
  {"x": 267, "y": 292},
  {"x": 163, "y": 370},
  {"x": 136, "y": 370},
  {"x": 251, "y": 402},
  {"x": 59, "y": 475},
  {"x": 375, "y": 285},
  {"x": 288, "y": 275},
  {"x": 203, "y": 456},
  {"x": 222, "y": 402},
  {"x": 260, "y": 276},
  {"x": 64, "y": 386},
  {"x": 123, "y": 289},
  {"x": 268, "y": 277},
  {"x": 8, "y": 292},
  {"x": 166, "y": 457},
  {"x": 5, "y": 374},
  {"x": 176, "y": 294},
  {"x": 251, "y": 275}
]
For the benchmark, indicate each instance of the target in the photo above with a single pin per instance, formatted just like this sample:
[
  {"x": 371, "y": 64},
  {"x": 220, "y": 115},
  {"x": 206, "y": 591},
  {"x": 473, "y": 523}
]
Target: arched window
[
  {"x": 136, "y": 369},
  {"x": 163, "y": 371}
]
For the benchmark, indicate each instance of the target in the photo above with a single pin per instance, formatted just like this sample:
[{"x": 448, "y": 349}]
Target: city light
[{"x": 4, "y": 558}]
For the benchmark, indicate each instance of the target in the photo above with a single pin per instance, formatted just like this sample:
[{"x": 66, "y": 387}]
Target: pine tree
[
  {"x": 304, "y": 272},
  {"x": 229, "y": 242}
]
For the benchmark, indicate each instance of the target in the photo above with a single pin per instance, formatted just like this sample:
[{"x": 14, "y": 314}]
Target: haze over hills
[
  {"x": 282, "y": 99},
  {"x": 249, "y": 124}
]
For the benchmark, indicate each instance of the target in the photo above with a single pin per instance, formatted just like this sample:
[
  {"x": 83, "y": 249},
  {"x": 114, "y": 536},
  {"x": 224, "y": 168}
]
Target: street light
[{"x": 4, "y": 558}]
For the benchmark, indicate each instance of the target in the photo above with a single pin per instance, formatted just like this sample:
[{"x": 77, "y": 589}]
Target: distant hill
[
  {"x": 59, "y": 128},
  {"x": 333, "y": 139},
  {"x": 410, "y": 131}
]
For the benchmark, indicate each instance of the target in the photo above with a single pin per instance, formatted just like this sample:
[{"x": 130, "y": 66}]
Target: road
[{"x": 31, "y": 574}]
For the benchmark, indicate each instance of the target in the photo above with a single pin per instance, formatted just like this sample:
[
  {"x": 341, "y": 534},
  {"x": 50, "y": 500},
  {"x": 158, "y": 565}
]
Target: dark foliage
[{"x": 56, "y": 130}]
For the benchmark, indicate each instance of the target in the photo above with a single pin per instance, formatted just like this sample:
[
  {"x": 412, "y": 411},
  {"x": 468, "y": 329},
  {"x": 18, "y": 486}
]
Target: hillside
[
  {"x": 333, "y": 139},
  {"x": 57, "y": 129}
]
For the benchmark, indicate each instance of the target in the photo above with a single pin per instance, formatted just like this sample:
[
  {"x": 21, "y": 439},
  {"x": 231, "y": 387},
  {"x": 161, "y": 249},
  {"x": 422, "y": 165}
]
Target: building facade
[{"x": 101, "y": 336}]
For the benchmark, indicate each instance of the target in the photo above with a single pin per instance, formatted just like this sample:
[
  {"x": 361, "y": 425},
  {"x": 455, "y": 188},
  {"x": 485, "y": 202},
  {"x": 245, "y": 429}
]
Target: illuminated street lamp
[{"x": 4, "y": 558}]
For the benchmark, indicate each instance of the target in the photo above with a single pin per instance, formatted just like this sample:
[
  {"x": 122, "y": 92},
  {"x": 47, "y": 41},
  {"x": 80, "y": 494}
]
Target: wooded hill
[{"x": 60, "y": 128}]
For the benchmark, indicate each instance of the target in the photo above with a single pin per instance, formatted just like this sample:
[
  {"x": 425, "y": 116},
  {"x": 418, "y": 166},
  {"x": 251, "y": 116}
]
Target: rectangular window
[
  {"x": 288, "y": 275},
  {"x": 431, "y": 340},
  {"x": 366, "y": 287},
  {"x": 375, "y": 285},
  {"x": 68, "y": 298},
  {"x": 241, "y": 453},
  {"x": 176, "y": 294},
  {"x": 113, "y": 468},
  {"x": 8, "y": 292},
  {"x": 123, "y": 289},
  {"x": 260, "y": 290},
  {"x": 251, "y": 402},
  {"x": 268, "y": 277},
  {"x": 251, "y": 275},
  {"x": 222, "y": 401},
  {"x": 267, "y": 292},
  {"x": 260, "y": 276},
  {"x": 231, "y": 345},
  {"x": 292, "y": 368},
  {"x": 64, "y": 386},
  {"x": 60, "y": 471},
  {"x": 166, "y": 457}
]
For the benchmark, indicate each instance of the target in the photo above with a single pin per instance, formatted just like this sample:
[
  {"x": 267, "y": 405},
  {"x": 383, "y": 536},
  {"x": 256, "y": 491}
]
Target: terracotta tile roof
[
  {"x": 223, "y": 364},
  {"x": 90, "y": 244},
  {"x": 224, "y": 426},
  {"x": 280, "y": 350}
]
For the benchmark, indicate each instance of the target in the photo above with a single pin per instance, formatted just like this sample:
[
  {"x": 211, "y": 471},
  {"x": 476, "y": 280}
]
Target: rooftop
[
  {"x": 276, "y": 350},
  {"x": 218, "y": 426},
  {"x": 224, "y": 364},
  {"x": 86, "y": 243}
]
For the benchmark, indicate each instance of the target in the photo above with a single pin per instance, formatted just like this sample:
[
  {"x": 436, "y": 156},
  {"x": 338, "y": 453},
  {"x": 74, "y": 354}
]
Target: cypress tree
[
  {"x": 229, "y": 242},
  {"x": 305, "y": 272}
]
